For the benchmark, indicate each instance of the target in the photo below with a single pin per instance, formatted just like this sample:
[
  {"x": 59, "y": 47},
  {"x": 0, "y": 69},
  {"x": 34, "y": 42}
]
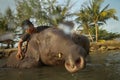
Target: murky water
[{"x": 101, "y": 66}]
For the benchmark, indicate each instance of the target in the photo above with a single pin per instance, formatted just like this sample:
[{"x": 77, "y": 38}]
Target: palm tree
[
  {"x": 100, "y": 15},
  {"x": 83, "y": 18}
]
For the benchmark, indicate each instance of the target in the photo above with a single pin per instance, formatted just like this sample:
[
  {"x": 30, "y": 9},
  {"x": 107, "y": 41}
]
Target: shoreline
[
  {"x": 102, "y": 46},
  {"x": 105, "y": 45}
]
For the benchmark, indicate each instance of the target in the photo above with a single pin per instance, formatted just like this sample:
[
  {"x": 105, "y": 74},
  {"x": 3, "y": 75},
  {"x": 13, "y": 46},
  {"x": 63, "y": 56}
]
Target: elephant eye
[{"x": 60, "y": 55}]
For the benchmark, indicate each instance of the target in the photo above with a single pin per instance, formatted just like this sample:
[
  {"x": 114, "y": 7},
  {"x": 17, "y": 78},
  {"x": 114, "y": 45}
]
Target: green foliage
[
  {"x": 46, "y": 12},
  {"x": 57, "y": 13},
  {"x": 24, "y": 11},
  {"x": 83, "y": 18},
  {"x": 3, "y": 25},
  {"x": 92, "y": 13},
  {"x": 104, "y": 34},
  {"x": 7, "y": 22},
  {"x": 49, "y": 12}
]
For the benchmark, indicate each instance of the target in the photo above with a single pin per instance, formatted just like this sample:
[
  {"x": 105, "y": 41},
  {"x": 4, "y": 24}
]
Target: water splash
[{"x": 66, "y": 28}]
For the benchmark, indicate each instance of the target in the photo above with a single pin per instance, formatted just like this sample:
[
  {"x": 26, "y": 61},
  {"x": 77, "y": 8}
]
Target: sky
[{"x": 112, "y": 25}]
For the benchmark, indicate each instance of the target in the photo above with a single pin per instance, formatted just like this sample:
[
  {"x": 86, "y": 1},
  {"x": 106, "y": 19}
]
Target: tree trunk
[
  {"x": 91, "y": 38},
  {"x": 88, "y": 30},
  {"x": 96, "y": 29}
]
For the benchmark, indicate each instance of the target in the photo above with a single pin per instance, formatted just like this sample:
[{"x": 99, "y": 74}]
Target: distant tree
[
  {"x": 24, "y": 11},
  {"x": 10, "y": 19},
  {"x": 35, "y": 9},
  {"x": 46, "y": 12},
  {"x": 58, "y": 13},
  {"x": 3, "y": 24},
  {"x": 103, "y": 34},
  {"x": 7, "y": 21}
]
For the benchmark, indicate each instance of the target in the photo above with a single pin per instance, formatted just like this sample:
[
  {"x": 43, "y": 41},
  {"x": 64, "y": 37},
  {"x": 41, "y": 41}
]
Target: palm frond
[{"x": 105, "y": 8}]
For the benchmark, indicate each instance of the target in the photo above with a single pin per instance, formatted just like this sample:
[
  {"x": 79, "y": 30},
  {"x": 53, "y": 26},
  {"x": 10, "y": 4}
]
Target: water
[{"x": 100, "y": 66}]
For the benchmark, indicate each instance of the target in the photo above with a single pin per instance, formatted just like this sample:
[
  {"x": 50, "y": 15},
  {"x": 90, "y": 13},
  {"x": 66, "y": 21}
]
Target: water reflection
[{"x": 101, "y": 67}]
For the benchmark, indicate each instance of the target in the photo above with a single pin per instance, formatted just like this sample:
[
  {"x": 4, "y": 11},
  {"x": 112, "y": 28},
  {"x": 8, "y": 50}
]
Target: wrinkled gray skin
[{"x": 51, "y": 47}]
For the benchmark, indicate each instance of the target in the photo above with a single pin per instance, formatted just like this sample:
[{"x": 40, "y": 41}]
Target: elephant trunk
[{"x": 75, "y": 65}]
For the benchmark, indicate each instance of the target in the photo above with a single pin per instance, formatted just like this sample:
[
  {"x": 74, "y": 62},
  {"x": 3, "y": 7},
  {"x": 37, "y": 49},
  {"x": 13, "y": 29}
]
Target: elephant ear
[
  {"x": 81, "y": 40},
  {"x": 83, "y": 52}
]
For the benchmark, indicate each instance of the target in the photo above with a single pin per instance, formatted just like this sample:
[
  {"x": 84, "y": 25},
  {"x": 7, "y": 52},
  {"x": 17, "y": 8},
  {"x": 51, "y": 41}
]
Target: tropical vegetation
[
  {"x": 48, "y": 12},
  {"x": 92, "y": 15}
]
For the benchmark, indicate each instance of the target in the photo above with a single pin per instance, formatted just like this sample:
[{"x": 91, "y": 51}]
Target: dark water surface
[{"x": 100, "y": 66}]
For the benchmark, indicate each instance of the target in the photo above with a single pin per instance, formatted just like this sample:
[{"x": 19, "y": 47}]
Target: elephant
[
  {"x": 7, "y": 38},
  {"x": 51, "y": 47}
]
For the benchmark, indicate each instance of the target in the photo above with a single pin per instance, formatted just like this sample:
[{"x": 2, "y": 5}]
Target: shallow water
[{"x": 100, "y": 66}]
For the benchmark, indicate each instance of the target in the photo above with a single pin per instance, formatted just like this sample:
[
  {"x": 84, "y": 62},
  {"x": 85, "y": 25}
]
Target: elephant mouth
[{"x": 74, "y": 66}]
